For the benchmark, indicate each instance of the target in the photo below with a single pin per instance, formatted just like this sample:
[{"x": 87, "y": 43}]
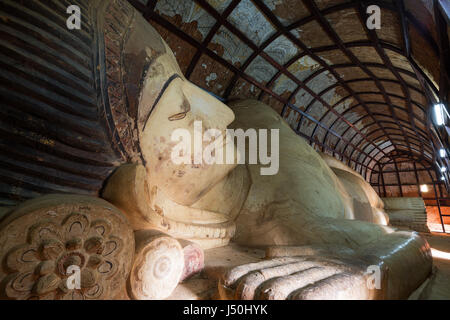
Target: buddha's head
[{"x": 160, "y": 100}]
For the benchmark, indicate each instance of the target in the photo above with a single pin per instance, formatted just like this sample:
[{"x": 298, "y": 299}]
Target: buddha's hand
[{"x": 297, "y": 278}]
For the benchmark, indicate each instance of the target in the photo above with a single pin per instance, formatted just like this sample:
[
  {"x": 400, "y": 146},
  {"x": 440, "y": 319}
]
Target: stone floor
[{"x": 438, "y": 286}]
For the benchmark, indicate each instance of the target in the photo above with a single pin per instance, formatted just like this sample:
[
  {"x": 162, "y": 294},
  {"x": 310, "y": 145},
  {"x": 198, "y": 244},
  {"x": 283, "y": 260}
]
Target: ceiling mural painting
[{"x": 352, "y": 92}]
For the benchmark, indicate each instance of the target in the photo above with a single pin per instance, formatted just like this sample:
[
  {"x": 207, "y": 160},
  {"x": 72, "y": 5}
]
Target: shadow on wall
[{"x": 434, "y": 221}]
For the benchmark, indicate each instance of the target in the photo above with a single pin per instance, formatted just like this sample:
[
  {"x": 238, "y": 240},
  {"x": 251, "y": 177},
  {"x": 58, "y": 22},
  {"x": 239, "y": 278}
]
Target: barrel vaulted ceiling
[{"x": 352, "y": 92}]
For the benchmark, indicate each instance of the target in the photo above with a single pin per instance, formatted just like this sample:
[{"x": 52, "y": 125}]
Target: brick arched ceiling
[{"x": 352, "y": 92}]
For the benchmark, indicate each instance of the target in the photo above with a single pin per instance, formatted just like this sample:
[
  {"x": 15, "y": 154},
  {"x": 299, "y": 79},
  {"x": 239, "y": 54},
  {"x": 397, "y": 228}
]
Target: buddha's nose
[{"x": 206, "y": 104}]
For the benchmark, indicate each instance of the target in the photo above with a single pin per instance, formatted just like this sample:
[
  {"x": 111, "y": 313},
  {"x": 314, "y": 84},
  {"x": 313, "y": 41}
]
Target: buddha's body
[
  {"x": 303, "y": 204},
  {"x": 306, "y": 204}
]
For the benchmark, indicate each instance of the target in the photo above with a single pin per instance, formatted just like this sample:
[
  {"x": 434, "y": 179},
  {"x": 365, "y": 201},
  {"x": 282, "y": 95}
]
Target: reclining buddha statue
[{"x": 88, "y": 182}]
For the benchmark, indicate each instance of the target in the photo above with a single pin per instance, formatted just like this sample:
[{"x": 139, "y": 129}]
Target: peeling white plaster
[
  {"x": 320, "y": 133},
  {"x": 302, "y": 98},
  {"x": 292, "y": 119},
  {"x": 331, "y": 97},
  {"x": 303, "y": 67},
  {"x": 352, "y": 116},
  {"x": 272, "y": 4},
  {"x": 234, "y": 49},
  {"x": 383, "y": 145},
  {"x": 329, "y": 119},
  {"x": 369, "y": 148},
  {"x": 344, "y": 105},
  {"x": 307, "y": 126},
  {"x": 239, "y": 88},
  {"x": 281, "y": 50},
  {"x": 219, "y": 5},
  {"x": 316, "y": 110},
  {"x": 211, "y": 77},
  {"x": 251, "y": 22},
  {"x": 284, "y": 84},
  {"x": 189, "y": 12},
  {"x": 321, "y": 82},
  {"x": 261, "y": 70}
]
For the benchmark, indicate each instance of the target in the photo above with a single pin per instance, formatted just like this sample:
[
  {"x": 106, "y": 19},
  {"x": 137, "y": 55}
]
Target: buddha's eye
[
  {"x": 185, "y": 107},
  {"x": 177, "y": 116}
]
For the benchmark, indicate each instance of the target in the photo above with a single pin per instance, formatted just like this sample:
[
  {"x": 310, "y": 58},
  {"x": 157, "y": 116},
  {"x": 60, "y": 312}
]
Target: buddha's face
[{"x": 178, "y": 105}]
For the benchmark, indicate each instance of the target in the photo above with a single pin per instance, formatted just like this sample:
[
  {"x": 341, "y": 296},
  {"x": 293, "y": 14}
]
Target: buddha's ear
[
  {"x": 149, "y": 92},
  {"x": 145, "y": 56}
]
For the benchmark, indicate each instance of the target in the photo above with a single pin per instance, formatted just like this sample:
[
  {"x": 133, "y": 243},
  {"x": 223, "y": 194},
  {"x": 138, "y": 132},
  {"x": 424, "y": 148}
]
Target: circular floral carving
[
  {"x": 46, "y": 239},
  {"x": 158, "y": 266}
]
